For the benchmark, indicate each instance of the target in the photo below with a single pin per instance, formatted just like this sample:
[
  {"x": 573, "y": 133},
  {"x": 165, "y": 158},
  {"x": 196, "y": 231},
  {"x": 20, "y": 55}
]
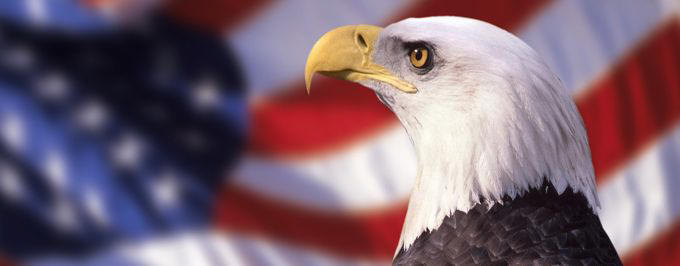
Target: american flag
[{"x": 192, "y": 142}]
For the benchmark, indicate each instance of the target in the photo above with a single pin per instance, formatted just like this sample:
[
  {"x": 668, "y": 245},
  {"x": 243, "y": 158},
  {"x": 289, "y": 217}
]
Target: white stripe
[
  {"x": 261, "y": 250},
  {"x": 201, "y": 248},
  {"x": 273, "y": 46},
  {"x": 641, "y": 199},
  {"x": 377, "y": 173},
  {"x": 225, "y": 251},
  {"x": 258, "y": 252},
  {"x": 581, "y": 39},
  {"x": 192, "y": 250}
]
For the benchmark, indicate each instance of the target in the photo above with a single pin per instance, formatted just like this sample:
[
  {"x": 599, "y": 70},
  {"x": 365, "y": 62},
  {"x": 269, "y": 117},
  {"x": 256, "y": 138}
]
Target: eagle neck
[{"x": 463, "y": 165}]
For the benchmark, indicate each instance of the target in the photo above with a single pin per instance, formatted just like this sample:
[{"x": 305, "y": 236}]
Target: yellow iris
[{"x": 419, "y": 57}]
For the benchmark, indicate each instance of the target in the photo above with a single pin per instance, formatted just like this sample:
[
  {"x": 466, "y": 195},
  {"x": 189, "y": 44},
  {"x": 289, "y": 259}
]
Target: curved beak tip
[
  {"x": 308, "y": 80},
  {"x": 346, "y": 53}
]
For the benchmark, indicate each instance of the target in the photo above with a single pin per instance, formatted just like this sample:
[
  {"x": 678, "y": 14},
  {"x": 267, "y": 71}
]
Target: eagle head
[{"x": 487, "y": 117}]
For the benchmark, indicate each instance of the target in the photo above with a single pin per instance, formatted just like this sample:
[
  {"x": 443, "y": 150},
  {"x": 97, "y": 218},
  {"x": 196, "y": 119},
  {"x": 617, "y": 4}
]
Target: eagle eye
[{"x": 420, "y": 57}]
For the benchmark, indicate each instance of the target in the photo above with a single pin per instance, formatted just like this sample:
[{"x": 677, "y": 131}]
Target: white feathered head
[{"x": 486, "y": 115}]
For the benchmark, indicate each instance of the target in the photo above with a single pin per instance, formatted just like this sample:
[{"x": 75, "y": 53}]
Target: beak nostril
[{"x": 361, "y": 42}]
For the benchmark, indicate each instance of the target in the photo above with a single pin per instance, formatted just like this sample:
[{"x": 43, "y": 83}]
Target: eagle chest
[{"x": 538, "y": 228}]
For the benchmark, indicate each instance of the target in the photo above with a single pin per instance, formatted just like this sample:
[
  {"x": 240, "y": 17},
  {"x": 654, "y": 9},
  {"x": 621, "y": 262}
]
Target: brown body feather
[{"x": 537, "y": 228}]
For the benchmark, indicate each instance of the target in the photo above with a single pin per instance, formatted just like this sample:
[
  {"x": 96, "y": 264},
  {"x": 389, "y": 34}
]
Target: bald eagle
[{"x": 504, "y": 169}]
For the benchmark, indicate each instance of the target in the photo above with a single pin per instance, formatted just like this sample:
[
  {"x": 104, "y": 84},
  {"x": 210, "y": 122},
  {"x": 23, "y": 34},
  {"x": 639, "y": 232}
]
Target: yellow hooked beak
[{"x": 345, "y": 53}]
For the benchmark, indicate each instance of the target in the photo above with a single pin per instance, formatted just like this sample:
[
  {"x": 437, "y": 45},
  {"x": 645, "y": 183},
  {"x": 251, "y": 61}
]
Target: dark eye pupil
[{"x": 419, "y": 54}]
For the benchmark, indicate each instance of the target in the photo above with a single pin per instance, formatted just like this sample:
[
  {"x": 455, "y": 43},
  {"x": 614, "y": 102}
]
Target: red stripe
[
  {"x": 635, "y": 104},
  {"x": 340, "y": 112},
  {"x": 214, "y": 15},
  {"x": 369, "y": 235},
  {"x": 505, "y": 14},
  {"x": 664, "y": 250},
  {"x": 335, "y": 113}
]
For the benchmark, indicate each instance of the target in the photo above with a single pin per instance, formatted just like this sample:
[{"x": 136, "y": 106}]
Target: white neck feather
[{"x": 494, "y": 145}]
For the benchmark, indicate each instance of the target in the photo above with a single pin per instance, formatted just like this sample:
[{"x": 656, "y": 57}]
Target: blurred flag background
[{"x": 170, "y": 132}]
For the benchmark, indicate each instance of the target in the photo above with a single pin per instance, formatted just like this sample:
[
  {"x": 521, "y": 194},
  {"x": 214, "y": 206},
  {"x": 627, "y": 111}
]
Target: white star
[
  {"x": 206, "y": 94},
  {"x": 127, "y": 152},
  {"x": 52, "y": 86},
  {"x": 95, "y": 207},
  {"x": 55, "y": 171},
  {"x": 10, "y": 182},
  {"x": 37, "y": 11},
  {"x": 166, "y": 189},
  {"x": 91, "y": 116},
  {"x": 12, "y": 131}
]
